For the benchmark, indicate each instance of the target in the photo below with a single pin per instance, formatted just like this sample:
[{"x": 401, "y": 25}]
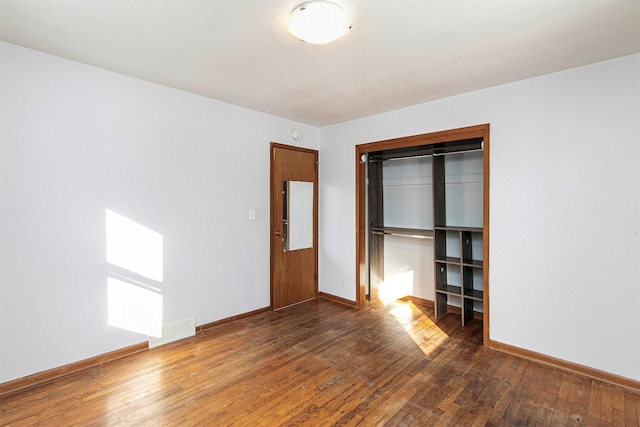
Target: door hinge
[{"x": 315, "y": 165}]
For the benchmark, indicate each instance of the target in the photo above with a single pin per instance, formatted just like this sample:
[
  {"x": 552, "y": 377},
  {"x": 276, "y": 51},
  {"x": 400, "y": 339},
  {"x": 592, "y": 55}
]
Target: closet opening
[{"x": 422, "y": 221}]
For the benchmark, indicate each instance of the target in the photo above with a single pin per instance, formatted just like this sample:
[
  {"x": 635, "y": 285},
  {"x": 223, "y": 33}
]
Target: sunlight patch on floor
[{"x": 419, "y": 327}]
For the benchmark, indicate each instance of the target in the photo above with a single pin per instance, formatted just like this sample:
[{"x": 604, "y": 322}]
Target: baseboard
[
  {"x": 203, "y": 328},
  {"x": 597, "y": 374},
  {"x": 337, "y": 299},
  {"x": 40, "y": 378},
  {"x": 31, "y": 381},
  {"x": 575, "y": 368},
  {"x": 419, "y": 301}
]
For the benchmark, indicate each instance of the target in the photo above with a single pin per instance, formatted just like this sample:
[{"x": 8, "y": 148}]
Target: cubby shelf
[
  {"x": 449, "y": 290},
  {"x": 448, "y": 260},
  {"x": 474, "y": 294},
  {"x": 465, "y": 269}
]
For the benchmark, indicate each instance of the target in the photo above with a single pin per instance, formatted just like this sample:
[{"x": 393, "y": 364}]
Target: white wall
[
  {"x": 564, "y": 202},
  {"x": 77, "y": 140}
]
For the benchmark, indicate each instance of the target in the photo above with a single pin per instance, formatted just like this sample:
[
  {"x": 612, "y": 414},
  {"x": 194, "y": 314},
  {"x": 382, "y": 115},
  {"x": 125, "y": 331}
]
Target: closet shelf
[
  {"x": 400, "y": 231},
  {"x": 449, "y": 290},
  {"x": 459, "y": 228},
  {"x": 448, "y": 260},
  {"x": 473, "y": 294},
  {"x": 475, "y": 263}
]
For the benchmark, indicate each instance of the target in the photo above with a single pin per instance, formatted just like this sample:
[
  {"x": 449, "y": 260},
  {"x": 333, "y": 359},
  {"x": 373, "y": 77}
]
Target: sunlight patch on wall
[
  {"x": 134, "y": 308},
  {"x": 135, "y": 258},
  {"x": 134, "y": 247},
  {"x": 397, "y": 286}
]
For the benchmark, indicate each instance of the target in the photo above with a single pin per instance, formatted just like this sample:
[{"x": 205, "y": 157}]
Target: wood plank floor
[{"x": 322, "y": 363}]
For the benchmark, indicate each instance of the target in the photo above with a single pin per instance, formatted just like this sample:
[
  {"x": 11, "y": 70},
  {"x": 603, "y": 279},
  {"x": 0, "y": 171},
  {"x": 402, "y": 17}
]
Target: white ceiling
[{"x": 398, "y": 53}]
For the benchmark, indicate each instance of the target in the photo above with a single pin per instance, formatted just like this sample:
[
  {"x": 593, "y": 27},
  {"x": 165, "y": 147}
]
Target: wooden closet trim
[{"x": 478, "y": 131}]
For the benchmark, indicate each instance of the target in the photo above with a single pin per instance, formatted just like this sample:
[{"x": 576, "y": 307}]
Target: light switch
[{"x": 252, "y": 214}]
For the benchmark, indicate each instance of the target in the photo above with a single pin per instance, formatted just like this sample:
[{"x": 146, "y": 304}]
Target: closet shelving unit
[
  {"x": 458, "y": 247},
  {"x": 465, "y": 269}
]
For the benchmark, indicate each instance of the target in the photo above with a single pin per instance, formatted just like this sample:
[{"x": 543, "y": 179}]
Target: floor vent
[{"x": 175, "y": 331}]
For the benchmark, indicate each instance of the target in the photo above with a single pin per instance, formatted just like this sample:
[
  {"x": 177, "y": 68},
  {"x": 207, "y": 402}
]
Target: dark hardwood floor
[{"x": 322, "y": 363}]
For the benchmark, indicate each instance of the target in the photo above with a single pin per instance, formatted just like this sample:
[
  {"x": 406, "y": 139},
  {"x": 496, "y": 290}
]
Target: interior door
[{"x": 294, "y": 225}]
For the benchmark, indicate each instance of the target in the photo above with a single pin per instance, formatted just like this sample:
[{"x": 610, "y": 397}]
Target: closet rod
[{"x": 419, "y": 156}]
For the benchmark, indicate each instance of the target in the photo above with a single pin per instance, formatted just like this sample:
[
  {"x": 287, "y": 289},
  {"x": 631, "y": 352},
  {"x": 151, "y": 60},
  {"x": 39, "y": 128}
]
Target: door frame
[
  {"x": 414, "y": 141},
  {"x": 272, "y": 227}
]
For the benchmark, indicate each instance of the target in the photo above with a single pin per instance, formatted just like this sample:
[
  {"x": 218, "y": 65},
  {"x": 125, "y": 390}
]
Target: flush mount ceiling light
[{"x": 319, "y": 22}]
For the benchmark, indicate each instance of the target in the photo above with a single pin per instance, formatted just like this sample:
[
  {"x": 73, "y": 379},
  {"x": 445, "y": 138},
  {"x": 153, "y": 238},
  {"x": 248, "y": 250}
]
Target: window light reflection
[
  {"x": 134, "y": 308},
  {"x": 134, "y": 247},
  {"x": 135, "y": 258}
]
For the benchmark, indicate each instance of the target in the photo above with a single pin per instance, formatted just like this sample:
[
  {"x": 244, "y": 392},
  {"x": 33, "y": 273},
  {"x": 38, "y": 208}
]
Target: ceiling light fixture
[{"x": 319, "y": 22}]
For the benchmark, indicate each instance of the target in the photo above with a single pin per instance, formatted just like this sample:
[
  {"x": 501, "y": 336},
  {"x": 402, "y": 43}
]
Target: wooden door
[{"x": 294, "y": 225}]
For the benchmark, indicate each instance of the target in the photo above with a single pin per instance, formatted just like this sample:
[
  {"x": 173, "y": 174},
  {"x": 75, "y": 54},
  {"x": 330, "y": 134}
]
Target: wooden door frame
[
  {"x": 272, "y": 228},
  {"x": 413, "y": 141}
]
